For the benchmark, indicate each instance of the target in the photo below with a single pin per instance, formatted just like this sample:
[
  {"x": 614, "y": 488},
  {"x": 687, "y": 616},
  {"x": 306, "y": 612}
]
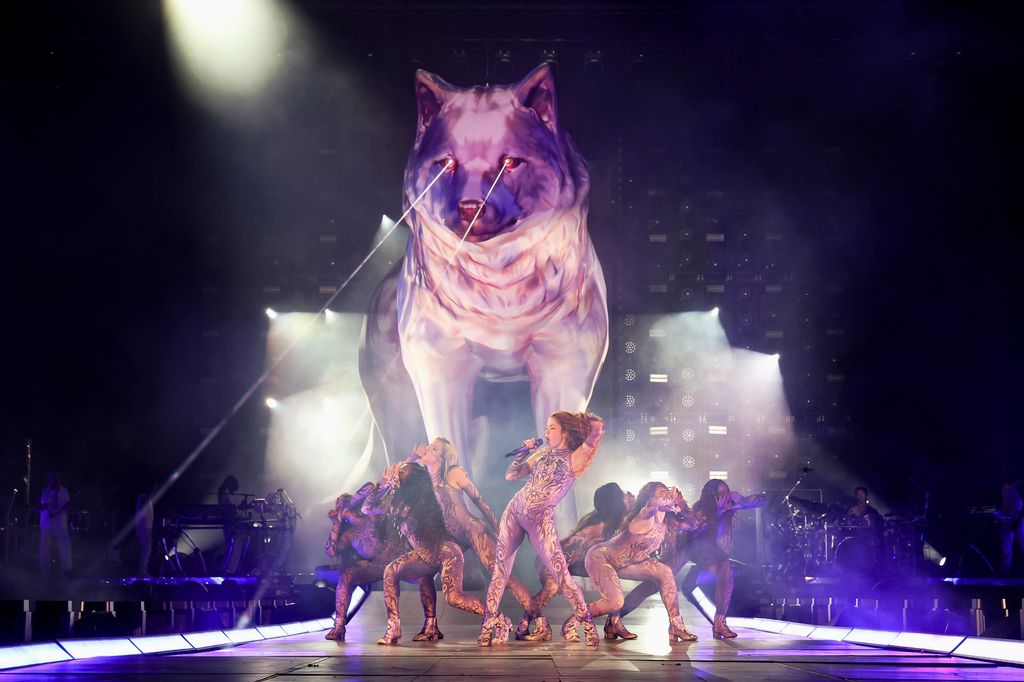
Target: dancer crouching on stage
[
  {"x": 629, "y": 555},
  {"x": 610, "y": 505},
  {"x": 711, "y": 543},
  {"x": 450, "y": 482},
  {"x": 407, "y": 492},
  {"x": 368, "y": 545},
  {"x": 572, "y": 441},
  {"x": 674, "y": 552}
]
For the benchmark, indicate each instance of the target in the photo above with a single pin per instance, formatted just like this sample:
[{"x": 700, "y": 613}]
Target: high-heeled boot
[
  {"x": 678, "y": 632},
  {"x": 430, "y": 631},
  {"x": 613, "y": 628},
  {"x": 523, "y": 628},
  {"x": 720, "y": 630},
  {"x": 393, "y": 632},
  {"x": 541, "y": 631},
  {"x": 337, "y": 633},
  {"x": 590, "y": 636},
  {"x": 495, "y": 629},
  {"x": 569, "y": 628}
]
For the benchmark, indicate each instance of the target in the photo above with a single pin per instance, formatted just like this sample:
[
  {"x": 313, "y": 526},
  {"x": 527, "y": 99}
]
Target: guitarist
[{"x": 53, "y": 526}]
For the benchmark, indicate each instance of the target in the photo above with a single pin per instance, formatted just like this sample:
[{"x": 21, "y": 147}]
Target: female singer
[
  {"x": 572, "y": 441},
  {"x": 610, "y": 505}
]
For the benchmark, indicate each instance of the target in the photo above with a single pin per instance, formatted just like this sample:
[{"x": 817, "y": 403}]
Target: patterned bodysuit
[
  {"x": 374, "y": 555},
  {"x": 575, "y": 549},
  {"x": 628, "y": 555},
  {"x": 531, "y": 512},
  {"x": 673, "y": 552},
  {"x": 469, "y": 531},
  {"x": 421, "y": 562}
]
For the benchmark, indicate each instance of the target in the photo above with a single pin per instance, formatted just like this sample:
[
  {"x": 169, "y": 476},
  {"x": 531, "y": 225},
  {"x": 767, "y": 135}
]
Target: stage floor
[{"x": 307, "y": 658}]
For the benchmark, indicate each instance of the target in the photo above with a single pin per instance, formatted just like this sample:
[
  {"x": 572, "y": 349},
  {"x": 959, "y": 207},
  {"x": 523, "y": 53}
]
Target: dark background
[{"x": 861, "y": 156}]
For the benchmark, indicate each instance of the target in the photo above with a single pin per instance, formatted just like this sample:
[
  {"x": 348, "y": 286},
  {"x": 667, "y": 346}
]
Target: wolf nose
[{"x": 468, "y": 209}]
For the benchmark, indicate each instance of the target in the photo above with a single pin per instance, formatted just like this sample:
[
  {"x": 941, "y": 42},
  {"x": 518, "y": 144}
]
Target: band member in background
[
  {"x": 450, "y": 482},
  {"x": 374, "y": 542},
  {"x": 629, "y": 554},
  {"x": 53, "y": 526},
  {"x": 863, "y": 510},
  {"x": 610, "y": 506},
  {"x": 1011, "y": 527},
  {"x": 711, "y": 542},
  {"x": 406, "y": 489},
  {"x": 144, "y": 532},
  {"x": 572, "y": 442}
]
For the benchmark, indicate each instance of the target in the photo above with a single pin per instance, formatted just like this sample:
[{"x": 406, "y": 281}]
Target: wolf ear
[
  {"x": 537, "y": 92},
  {"x": 431, "y": 93}
]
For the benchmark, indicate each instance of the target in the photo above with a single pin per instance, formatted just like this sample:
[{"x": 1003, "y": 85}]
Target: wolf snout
[{"x": 468, "y": 209}]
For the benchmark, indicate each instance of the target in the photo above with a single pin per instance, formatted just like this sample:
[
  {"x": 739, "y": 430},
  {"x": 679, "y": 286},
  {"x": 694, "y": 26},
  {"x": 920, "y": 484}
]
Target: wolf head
[{"x": 478, "y": 132}]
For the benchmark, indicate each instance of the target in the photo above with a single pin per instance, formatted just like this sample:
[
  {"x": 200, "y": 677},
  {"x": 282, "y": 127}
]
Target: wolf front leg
[{"x": 444, "y": 378}]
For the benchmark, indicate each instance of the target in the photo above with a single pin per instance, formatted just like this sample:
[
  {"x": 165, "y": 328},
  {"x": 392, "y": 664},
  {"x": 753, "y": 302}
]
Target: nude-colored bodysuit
[
  {"x": 628, "y": 555},
  {"x": 575, "y": 549},
  {"x": 469, "y": 531},
  {"x": 374, "y": 555},
  {"x": 531, "y": 512},
  {"x": 421, "y": 563}
]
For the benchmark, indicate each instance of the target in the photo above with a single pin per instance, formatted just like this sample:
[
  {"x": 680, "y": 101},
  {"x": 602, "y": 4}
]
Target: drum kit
[{"x": 827, "y": 540}]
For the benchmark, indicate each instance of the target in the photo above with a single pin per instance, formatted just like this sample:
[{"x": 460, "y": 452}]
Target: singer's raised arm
[{"x": 583, "y": 456}]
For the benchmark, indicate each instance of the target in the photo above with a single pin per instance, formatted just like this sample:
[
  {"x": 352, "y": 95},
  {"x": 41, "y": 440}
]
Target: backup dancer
[
  {"x": 711, "y": 543},
  {"x": 629, "y": 554},
  {"x": 450, "y": 482},
  {"x": 572, "y": 441},
  {"x": 610, "y": 505},
  {"x": 406, "y": 489},
  {"x": 367, "y": 545},
  {"x": 674, "y": 552}
]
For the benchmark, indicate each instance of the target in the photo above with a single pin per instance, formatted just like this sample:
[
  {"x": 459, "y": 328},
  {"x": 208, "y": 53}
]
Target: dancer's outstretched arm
[{"x": 458, "y": 478}]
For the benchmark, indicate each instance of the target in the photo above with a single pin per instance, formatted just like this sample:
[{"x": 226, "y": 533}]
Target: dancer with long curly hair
[
  {"x": 406, "y": 489},
  {"x": 366, "y": 545},
  {"x": 711, "y": 543},
  {"x": 450, "y": 482},
  {"x": 572, "y": 442},
  {"x": 610, "y": 505},
  {"x": 630, "y": 554}
]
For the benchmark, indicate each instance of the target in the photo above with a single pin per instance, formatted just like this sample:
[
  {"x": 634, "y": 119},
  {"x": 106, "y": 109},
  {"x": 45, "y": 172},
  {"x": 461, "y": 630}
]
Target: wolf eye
[
  {"x": 446, "y": 161},
  {"x": 512, "y": 162}
]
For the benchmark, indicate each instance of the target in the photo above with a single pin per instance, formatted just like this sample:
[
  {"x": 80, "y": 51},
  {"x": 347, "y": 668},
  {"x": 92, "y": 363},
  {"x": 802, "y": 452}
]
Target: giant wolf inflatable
[{"x": 523, "y": 295}]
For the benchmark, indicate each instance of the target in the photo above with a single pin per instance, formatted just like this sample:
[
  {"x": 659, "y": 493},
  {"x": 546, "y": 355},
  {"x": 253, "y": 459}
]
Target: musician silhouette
[{"x": 53, "y": 526}]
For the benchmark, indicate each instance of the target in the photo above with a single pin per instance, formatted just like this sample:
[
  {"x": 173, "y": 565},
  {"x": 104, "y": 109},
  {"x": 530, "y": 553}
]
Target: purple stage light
[
  {"x": 31, "y": 654},
  {"x": 159, "y": 644},
  {"x": 1000, "y": 650},
  {"x": 93, "y": 648},
  {"x": 244, "y": 635},
  {"x": 941, "y": 644},
  {"x": 271, "y": 631},
  {"x": 205, "y": 640},
  {"x": 872, "y": 637}
]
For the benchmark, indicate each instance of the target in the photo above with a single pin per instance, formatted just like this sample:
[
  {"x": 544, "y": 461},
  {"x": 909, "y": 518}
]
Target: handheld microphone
[{"x": 536, "y": 443}]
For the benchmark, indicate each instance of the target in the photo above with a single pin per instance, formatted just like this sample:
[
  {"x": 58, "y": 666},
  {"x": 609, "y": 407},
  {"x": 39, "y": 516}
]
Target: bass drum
[{"x": 856, "y": 557}]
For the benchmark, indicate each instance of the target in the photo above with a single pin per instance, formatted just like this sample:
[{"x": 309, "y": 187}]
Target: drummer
[{"x": 863, "y": 511}]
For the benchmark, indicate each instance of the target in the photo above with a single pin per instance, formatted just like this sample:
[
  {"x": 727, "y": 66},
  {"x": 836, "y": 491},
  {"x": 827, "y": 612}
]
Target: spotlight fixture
[
  {"x": 271, "y": 313},
  {"x": 271, "y": 403}
]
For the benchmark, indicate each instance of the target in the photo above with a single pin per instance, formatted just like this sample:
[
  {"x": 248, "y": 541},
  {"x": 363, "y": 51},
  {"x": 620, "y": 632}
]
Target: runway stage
[{"x": 755, "y": 655}]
